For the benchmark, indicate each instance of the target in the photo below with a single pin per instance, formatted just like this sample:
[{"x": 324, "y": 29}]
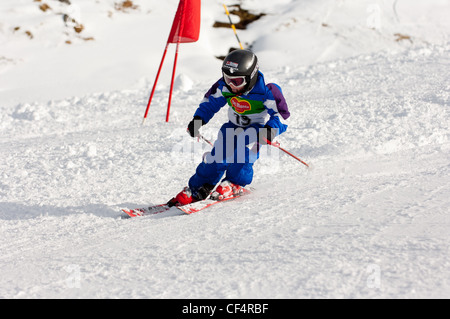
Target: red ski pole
[
  {"x": 201, "y": 137},
  {"x": 277, "y": 145},
  {"x": 204, "y": 139}
]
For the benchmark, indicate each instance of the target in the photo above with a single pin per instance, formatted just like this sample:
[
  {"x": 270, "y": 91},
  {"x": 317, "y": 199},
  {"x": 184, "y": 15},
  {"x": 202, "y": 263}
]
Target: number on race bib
[{"x": 242, "y": 120}]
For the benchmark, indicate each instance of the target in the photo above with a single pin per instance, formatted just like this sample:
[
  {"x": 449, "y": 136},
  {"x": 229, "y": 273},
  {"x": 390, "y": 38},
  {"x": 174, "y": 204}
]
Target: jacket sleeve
[
  {"x": 211, "y": 103},
  {"x": 277, "y": 108}
]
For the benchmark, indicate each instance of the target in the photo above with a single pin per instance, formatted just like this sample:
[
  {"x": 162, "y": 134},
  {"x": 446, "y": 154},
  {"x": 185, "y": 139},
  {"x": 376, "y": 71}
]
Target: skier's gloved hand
[
  {"x": 194, "y": 126},
  {"x": 267, "y": 133}
]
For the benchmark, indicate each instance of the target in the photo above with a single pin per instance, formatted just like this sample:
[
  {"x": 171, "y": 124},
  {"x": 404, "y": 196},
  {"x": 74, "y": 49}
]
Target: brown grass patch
[
  {"x": 245, "y": 17},
  {"x": 125, "y": 6},
  {"x": 401, "y": 37},
  {"x": 44, "y": 7}
]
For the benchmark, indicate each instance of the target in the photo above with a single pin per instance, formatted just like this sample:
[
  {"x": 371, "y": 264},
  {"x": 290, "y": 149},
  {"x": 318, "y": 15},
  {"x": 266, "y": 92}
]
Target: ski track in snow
[{"x": 370, "y": 220}]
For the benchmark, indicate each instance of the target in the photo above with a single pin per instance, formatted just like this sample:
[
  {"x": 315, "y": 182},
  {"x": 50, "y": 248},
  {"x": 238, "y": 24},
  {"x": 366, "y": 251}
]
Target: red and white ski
[
  {"x": 187, "y": 209},
  {"x": 200, "y": 205},
  {"x": 151, "y": 210}
]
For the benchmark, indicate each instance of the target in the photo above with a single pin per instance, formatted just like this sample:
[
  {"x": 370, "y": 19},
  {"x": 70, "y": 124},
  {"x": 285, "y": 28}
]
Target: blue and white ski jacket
[{"x": 263, "y": 104}]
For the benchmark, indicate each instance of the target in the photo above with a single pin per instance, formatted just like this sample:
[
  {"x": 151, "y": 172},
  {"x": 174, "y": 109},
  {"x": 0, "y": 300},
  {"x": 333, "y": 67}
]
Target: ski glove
[
  {"x": 267, "y": 133},
  {"x": 194, "y": 126}
]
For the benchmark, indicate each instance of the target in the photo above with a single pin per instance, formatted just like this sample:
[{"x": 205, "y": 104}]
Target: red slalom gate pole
[
  {"x": 154, "y": 84},
  {"x": 171, "y": 82},
  {"x": 180, "y": 32}
]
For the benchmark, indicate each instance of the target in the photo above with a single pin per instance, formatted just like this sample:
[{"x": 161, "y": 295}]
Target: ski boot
[
  {"x": 187, "y": 196},
  {"x": 226, "y": 189}
]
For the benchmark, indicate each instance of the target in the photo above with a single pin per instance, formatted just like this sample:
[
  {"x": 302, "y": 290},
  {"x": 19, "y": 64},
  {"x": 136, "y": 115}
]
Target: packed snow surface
[{"x": 367, "y": 84}]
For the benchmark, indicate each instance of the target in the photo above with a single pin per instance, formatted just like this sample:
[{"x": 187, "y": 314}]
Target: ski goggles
[{"x": 236, "y": 82}]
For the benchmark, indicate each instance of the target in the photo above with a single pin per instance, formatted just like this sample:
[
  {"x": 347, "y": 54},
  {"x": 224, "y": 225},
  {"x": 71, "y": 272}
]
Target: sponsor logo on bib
[{"x": 240, "y": 106}]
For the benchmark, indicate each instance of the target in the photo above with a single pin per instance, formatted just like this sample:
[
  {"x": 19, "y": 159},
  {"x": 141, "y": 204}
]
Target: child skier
[{"x": 256, "y": 111}]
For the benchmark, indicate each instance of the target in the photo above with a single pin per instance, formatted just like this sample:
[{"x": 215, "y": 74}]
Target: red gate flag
[
  {"x": 185, "y": 29},
  {"x": 186, "y": 25}
]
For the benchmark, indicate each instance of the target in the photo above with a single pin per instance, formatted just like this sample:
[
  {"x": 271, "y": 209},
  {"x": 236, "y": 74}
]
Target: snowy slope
[
  {"x": 371, "y": 220},
  {"x": 120, "y": 48}
]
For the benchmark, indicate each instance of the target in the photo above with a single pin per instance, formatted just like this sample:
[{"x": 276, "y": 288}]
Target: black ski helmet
[{"x": 242, "y": 62}]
